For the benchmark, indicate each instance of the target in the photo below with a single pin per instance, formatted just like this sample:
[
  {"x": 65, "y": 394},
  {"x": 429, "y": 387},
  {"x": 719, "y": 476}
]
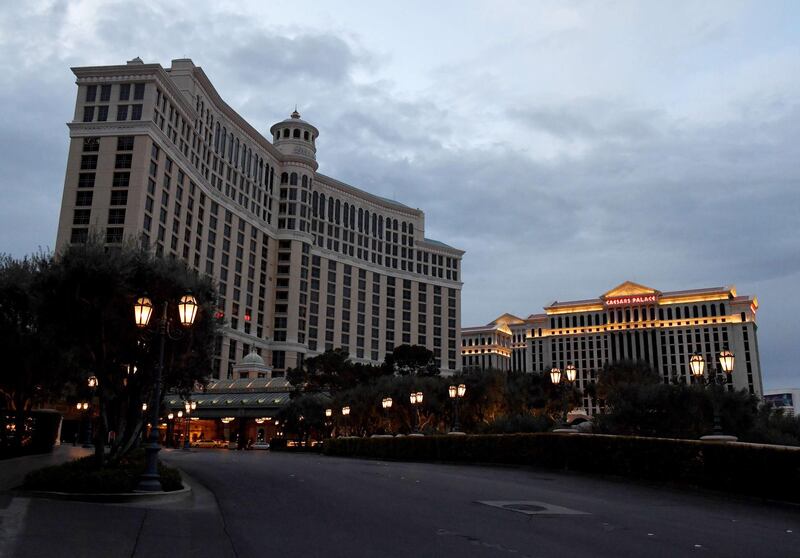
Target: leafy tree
[
  {"x": 88, "y": 295},
  {"x": 331, "y": 371},
  {"x": 414, "y": 360}
]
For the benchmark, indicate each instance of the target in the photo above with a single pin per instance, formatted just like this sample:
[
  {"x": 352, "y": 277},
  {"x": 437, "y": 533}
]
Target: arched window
[
  {"x": 694, "y": 311},
  {"x": 713, "y": 309},
  {"x": 677, "y": 312},
  {"x": 293, "y": 179},
  {"x": 346, "y": 212},
  {"x": 230, "y": 147},
  {"x": 366, "y": 222},
  {"x": 305, "y": 181},
  {"x": 374, "y": 224},
  {"x": 314, "y": 202},
  {"x": 296, "y": 133},
  {"x": 704, "y": 311},
  {"x": 721, "y": 309},
  {"x": 216, "y": 138},
  {"x": 287, "y": 133},
  {"x": 224, "y": 140},
  {"x": 360, "y": 219},
  {"x": 380, "y": 227},
  {"x": 322, "y": 206},
  {"x": 411, "y": 228},
  {"x": 338, "y": 211},
  {"x": 405, "y": 227},
  {"x": 352, "y": 217},
  {"x": 330, "y": 210},
  {"x": 394, "y": 225},
  {"x": 305, "y": 136},
  {"x": 285, "y": 178},
  {"x": 236, "y": 152}
]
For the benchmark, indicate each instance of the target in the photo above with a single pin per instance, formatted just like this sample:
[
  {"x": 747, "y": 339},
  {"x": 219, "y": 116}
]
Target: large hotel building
[
  {"x": 303, "y": 262},
  {"x": 630, "y": 322}
]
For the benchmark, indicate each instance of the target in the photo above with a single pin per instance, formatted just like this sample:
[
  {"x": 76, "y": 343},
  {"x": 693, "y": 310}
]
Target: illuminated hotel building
[
  {"x": 303, "y": 262},
  {"x": 630, "y": 322}
]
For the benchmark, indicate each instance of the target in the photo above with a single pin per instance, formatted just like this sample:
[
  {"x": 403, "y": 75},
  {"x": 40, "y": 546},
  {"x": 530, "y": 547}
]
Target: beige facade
[
  {"x": 633, "y": 322},
  {"x": 303, "y": 262}
]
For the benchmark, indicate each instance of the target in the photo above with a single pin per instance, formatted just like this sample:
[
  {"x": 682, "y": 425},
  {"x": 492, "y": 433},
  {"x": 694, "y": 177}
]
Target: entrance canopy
[{"x": 249, "y": 398}]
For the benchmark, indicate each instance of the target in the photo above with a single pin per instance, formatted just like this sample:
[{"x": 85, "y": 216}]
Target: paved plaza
[{"x": 252, "y": 504}]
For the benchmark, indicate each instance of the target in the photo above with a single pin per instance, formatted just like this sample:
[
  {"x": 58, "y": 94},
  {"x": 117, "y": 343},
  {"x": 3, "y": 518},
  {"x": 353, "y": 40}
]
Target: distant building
[
  {"x": 788, "y": 400},
  {"x": 303, "y": 262},
  {"x": 630, "y": 321}
]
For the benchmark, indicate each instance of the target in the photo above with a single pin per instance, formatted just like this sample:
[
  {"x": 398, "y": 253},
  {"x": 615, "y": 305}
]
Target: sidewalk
[{"x": 38, "y": 527}]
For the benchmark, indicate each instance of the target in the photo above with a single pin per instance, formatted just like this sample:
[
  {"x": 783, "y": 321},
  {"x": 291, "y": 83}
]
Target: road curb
[{"x": 111, "y": 498}]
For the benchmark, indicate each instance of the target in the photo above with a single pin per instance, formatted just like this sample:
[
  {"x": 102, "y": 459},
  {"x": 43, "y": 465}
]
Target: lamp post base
[{"x": 719, "y": 438}]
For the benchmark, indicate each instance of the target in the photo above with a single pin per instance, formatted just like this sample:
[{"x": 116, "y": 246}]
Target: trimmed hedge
[
  {"x": 83, "y": 476},
  {"x": 764, "y": 471}
]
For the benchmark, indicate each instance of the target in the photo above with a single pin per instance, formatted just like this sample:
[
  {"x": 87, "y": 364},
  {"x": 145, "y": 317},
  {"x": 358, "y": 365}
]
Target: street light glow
[
  {"x": 697, "y": 364},
  {"x": 142, "y": 311},
  {"x": 726, "y": 360},
  {"x": 555, "y": 375},
  {"x": 187, "y": 309},
  {"x": 570, "y": 372}
]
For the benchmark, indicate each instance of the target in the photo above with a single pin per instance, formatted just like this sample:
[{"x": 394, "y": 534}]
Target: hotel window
[
  {"x": 116, "y": 216},
  {"x": 91, "y": 145},
  {"x": 121, "y": 179},
  {"x": 86, "y": 180},
  {"x": 79, "y": 236},
  {"x": 122, "y": 113},
  {"x": 123, "y": 161},
  {"x": 138, "y": 92},
  {"x": 125, "y": 143},
  {"x": 124, "y": 91},
  {"x": 83, "y": 198},
  {"x": 105, "y": 93},
  {"x": 114, "y": 235},
  {"x": 88, "y": 114},
  {"x": 136, "y": 112},
  {"x": 81, "y": 217},
  {"x": 102, "y": 113},
  {"x": 120, "y": 197},
  {"x": 91, "y": 93},
  {"x": 88, "y": 162}
]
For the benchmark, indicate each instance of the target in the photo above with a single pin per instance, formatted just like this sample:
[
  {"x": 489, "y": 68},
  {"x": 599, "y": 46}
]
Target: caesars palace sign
[{"x": 631, "y": 300}]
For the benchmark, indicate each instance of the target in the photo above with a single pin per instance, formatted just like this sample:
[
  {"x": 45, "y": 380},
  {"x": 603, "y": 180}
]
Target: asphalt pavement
[
  {"x": 301, "y": 505},
  {"x": 262, "y": 504}
]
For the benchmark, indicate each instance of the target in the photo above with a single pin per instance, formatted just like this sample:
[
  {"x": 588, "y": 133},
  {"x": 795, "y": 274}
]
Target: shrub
[
  {"x": 518, "y": 423},
  {"x": 83, "y": 476},
  {"x": 764, "y": 471}
]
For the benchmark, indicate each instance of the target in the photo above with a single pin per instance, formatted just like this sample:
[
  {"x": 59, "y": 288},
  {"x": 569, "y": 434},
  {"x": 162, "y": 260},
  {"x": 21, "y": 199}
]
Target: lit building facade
[
  {"x": 303, "y": 262},
  {"x": 634, "y": 322}
]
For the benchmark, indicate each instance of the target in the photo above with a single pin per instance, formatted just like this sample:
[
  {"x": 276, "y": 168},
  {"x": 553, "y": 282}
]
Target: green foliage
[
  {"x": 415, "y": 360},
  {"x": 761, "y": 471},
  {"x": 518, "y": 423},
  {"x": 84, "y": 476},
  {"x": 332, "y": 371}
]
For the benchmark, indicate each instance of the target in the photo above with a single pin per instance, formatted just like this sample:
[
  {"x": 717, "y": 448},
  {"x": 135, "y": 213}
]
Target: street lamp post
[
  {"x": 188, "y": 406},
  {"x": 87, "y": 431},
  {"x": 714, "y": 381},
  {"x": 456, "y": 393},
  {"x": 345, "y": 414},
  {"x": 386, "y": 403},
  {"x": 328, "y": 415},
  {"x": 150, "y": 480},
  {"x": 416, "y": 401},
  {"x": 564, "y": 381}
]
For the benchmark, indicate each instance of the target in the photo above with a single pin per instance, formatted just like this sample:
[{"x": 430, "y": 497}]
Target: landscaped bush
[
  {"x": 282, "y": 444},
  {"x": 769, "y": 472},
  {"x": 83, "y": 476},
  {"x": 518, "y": 423}
]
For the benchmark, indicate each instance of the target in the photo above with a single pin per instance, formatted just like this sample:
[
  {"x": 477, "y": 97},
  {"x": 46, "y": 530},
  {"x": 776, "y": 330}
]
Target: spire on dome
[{"x": 295, "y": 114}]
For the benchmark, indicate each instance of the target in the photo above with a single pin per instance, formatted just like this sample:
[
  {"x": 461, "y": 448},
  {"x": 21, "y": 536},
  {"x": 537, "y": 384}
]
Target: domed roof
[{"x": 253, "y": 359}]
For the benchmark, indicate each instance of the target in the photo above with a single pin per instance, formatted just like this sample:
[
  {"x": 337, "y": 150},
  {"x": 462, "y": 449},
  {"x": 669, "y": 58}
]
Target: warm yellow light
[
  {"x": 419, "y": 397},
  {"x": 187, "y": 309},
  {"x": 555, "y": 375},
  {"x": 451, "y": 391},
  {"x": 571, "y": 373},
  {"x": 387, "y": 402},
  {"x": 92, "y": 381},
  {"x": 227, "y": 420},
  {"x": 187, "y": 407},
  {"x": 726, "y": 360},
  {"x": 142, "y": 311},
  {"x": 180, "y": 414},
  {"x": 413, "y": 398},
  {"x": 462, "y": 390},
  {"x": 259, "y": 421},
  {"x": 697, "y": 364},
  {"x": 144, "y": 406},
  {"x": 170, "y": 416},
  {"x": 345, "y": 411},
  {"x": 328, "y": 412},
  {"x": 80, "y": 406}
]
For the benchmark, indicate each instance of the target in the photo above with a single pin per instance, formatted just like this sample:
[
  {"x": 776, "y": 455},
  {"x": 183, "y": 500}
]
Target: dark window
[
  {"x": 91, "y": 93},
  {"x": 138, "y": 92},
  {"x": 81, "y": 217},
  {"x": 79, "y": 236},
  {"x": 116, "y": 216},
  {"x": 86, "y": 180},
  {"x": 102, "y": 113},
  {"x": 83, "y": 198},
  {"x": 136, "y": 112},
  {"x": 88, "y": 114},
  {"x": 88, "y": 162},
  {"x": 122, "y": 113},
  {"x": 121, "y": 179},
  {"x": 120, "y": 197},
  {"x": 105, "y": 93},
  {"x": 125, "y": 143},
  {"x": 114, "y": 235},
  {"x": 91, "y": 144},
  {"x": 124, "y": 91},
  {"x": 123, "y": 161}
]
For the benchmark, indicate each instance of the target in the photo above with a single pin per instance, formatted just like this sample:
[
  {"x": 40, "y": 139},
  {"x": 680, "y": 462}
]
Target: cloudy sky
[{"x": 567, "y": 146}]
